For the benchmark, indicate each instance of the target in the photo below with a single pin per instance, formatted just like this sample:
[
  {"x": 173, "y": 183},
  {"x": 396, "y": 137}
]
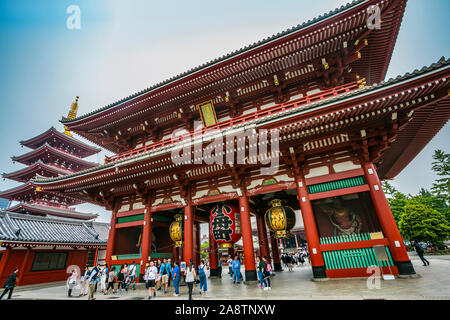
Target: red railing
[{"x": 241, "y": 119}]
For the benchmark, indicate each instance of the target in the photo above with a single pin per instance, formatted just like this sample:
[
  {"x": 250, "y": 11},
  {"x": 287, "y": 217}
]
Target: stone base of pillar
[
  {"x": 319, "y": 272},
  {"x": 277, "y": 266},
  {"x": 405, "y": 267},
  {"x": 214, "y": 273},
  {"x": 250, "y": 276}
]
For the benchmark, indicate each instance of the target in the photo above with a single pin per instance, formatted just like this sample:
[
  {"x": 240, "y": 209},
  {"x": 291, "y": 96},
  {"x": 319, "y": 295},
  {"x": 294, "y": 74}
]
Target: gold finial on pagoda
[{"x": 72, "y": 114}]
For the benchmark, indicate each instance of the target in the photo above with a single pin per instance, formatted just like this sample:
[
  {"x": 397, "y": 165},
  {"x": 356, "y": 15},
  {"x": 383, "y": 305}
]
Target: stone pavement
[{"x": 433, "y": 283}]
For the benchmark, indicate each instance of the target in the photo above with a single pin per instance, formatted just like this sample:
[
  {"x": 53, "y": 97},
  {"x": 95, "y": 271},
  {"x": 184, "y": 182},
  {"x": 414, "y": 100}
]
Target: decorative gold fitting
[{"x": 275, "y": 80}]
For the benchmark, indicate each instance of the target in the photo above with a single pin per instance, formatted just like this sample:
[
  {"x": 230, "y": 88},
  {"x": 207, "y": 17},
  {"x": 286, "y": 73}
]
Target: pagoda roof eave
[
  {"x": 61, "y": 154},
  {"x": 240, "y": 54},
  {"x": 39, "y": 165},
  {"x": 87, "y": 149},
  {"x": 28, "y": 187},
  {"x": 442, "y": 65},
  {"x": 52, "y": 211}
]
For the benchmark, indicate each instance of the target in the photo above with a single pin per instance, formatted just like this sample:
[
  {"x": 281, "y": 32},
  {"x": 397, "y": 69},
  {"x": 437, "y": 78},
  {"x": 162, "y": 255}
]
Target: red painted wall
[{"x": 16, "y": 258}]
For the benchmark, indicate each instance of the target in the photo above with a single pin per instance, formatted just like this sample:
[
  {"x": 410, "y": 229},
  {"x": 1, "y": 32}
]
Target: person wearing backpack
[
  {"x": 267, "y": 273},
  {"x": 94, "y": 275},
  {"x": 420, "y": 251}
]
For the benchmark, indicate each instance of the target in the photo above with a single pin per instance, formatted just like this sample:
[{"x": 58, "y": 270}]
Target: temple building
[
  {"x": 309, "y": 124},
  {"x": 41, "y": 233}
]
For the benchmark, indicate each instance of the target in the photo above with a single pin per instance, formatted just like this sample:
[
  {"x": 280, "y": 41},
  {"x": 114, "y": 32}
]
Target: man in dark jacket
[
  {"x": 10, "y": 284},
  {"x": 420, "y": 253}
]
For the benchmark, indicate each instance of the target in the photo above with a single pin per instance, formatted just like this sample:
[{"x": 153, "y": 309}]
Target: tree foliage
[
  {"x": 422, "y": 223},
  {"x": 426, "y": 215}
]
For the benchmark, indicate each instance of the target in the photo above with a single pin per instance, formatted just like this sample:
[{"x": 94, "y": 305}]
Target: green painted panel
[
  {"x": 354, "y": 258},
  {"x": 161, "y": 255},
  {"x": 161, "y": 218},
  {"x": 137, "y": 217},
  {"x": 128, "y": 256}
]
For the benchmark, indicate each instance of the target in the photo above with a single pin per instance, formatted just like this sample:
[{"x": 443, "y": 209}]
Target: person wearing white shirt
[
  {"x": 132, "y": 273},
  {"x": 151, "y": 273}
]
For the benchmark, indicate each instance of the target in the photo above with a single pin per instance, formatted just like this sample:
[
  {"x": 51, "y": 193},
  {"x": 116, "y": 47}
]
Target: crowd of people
[
  {"x": 290, "y": 260},
  {"x": 159, "y": 275}
]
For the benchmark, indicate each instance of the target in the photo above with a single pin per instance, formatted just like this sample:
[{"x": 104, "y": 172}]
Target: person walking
[
  {"x": 230, "y": 268},
  {"x": 111, "y": 280},
  {"x": 236, "y": 265},
  {"x": 176, "y": 279},
  {"x": 190, "y": 277},
  {"x": 84, "y": 281},
  {"x": 132, "y": 272},
  {"x": 10, "y": 284},
  {"x": 420, "y": 252},
  {"x": 202, "y": 277},
  {"x": 93, "y": 277},
  {"x": 158, "y": 277},
  {"x": 165, "y": 271},
  {"x": 72, "y": 282},
  {"x": 150, "y": 277},
  {"x": 267, "y": 271}
]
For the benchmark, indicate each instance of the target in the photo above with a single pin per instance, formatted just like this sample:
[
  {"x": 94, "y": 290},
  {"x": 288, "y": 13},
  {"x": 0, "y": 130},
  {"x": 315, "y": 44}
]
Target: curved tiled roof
[
  {"x": 223, "y": 58},
  {"x": 52, "y": 211},
  {"x": 392, "y": 81},
  {"x": 60, "y": 153},
  {"x": 87, "y": 148},
  {"x": 46, "y": 230}
]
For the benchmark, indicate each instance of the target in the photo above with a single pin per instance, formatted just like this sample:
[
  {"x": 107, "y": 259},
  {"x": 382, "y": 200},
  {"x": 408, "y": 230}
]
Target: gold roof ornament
[{"x": 72, "y": 115}]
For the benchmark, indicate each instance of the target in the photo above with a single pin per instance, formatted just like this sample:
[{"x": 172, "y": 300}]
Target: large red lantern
[{"x": 225, "y": 225}]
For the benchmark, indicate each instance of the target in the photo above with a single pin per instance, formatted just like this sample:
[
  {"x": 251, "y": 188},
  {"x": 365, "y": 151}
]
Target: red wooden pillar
[
  {"x": 188, "y": 232},
  {"x": 275, "y": 253},
  {"x": 112, "y": 235},
  {"x": 3, "y": 264},
  {"x": 262, "y": 237},
  {"x": 213, "y": 257},
  {"x": 312, "y": 234},
  {"x": 95, "y": 257},
  {"x": 146, "y": 238},
  {"x": 22, "y": 268},
  {"x": 247, "y": 239},
  {"x": 387, "y": 222}
]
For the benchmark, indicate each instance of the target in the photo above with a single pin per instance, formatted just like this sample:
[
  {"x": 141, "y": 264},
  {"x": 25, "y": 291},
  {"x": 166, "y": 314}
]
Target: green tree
[
  {"x": 422, "y": 223},
  {"x": 205, "y": 245},
  {"x": 441, "y": 165}
]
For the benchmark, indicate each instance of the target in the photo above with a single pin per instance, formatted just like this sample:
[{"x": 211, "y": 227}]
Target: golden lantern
[
  {"x": 176, "y": 230},
  {"x": 280, "y": 219}
]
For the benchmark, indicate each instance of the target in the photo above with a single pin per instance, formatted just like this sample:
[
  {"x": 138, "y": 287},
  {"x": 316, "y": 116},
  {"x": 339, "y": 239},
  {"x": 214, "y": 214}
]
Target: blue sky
[{"x": 126, "y": 46}]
